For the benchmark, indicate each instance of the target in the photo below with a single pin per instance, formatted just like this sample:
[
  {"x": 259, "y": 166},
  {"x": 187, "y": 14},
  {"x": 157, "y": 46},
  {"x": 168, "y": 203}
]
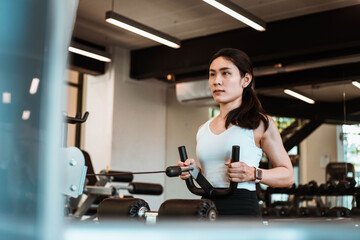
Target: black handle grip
[
  {"x": 173, "y": 171},
  {"x": 77, "y": 118},
  {"x": 145, "y": 188},
  {"x": 121, "y": 177},
  {"x": 235, "y": 155},
  {"x": 183, "y": 154}
]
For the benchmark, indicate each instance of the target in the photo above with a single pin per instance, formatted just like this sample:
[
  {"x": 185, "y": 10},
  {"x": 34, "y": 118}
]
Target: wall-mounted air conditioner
[{"x": 197, "y": 93}]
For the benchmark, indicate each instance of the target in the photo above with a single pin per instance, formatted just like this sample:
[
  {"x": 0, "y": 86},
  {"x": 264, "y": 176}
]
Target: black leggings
[{"x": 242, "y": 203}]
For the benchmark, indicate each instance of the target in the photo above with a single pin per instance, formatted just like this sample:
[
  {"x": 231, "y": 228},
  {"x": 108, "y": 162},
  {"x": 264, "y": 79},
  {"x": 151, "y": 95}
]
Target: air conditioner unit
[{"x": 197, "y": 93}]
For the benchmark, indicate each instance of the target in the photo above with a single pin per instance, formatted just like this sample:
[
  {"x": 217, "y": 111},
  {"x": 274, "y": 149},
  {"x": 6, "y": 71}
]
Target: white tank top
[{"x": 214, "y": 150}]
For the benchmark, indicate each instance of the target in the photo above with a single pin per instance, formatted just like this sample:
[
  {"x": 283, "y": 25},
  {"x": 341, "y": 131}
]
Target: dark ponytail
[{"x": 250, "y": 112}]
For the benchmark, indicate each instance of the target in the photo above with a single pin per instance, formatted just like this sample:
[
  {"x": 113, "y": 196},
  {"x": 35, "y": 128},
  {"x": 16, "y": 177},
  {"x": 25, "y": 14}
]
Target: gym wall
[
  {"x": 97, "y": 130},
  {"x": 126, "y": 126},
  {"x": 313, "y": 149},
  {"x": 182, "y": 123}
]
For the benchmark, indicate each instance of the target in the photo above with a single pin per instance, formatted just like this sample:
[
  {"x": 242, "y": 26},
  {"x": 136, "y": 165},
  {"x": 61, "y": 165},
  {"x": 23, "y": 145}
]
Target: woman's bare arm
[{"x": 282, "y": 173}]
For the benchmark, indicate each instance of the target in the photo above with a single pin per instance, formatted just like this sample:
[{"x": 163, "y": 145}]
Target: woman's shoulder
[
  {"x": 271, "y": 131},
  {"x": 207, "y": 122},
  {"x": 265, "y": 127},
  {"x": 201, "y": 130}
]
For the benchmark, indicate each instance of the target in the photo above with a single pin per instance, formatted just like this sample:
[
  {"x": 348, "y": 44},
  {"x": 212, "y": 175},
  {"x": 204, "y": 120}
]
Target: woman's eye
[
  {"x": 226, "y": 73},
  {"x": 211, "y": 74}
]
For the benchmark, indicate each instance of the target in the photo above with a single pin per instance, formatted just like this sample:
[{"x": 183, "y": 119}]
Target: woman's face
[{"x": 225, "y": 81}]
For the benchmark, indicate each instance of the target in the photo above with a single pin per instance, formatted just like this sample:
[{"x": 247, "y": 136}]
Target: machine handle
[
  {"x": 145, "y": 188},
  {"x": 189, "y": 182},
  {"x": 206, "y": 188},
  {"x": 77, "y": 118}
]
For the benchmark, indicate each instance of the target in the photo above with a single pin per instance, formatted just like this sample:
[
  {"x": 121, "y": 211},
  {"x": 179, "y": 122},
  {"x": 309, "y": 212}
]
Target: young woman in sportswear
[{"x": 241, "y": 122}]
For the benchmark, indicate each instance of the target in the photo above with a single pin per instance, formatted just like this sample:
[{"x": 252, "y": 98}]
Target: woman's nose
[{"x": 217, "y": 80}]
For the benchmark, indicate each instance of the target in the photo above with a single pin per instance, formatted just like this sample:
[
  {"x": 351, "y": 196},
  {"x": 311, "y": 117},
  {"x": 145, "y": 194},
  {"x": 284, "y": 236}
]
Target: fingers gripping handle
[
  {"x": 209, "y": 190},
  {"x": 189, "y": 182}
]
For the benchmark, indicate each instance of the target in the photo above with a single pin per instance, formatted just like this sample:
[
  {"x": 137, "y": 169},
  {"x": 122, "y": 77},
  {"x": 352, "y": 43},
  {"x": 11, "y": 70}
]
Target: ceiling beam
[
  {"x": 321, "y": 75},
  {"x": 321, "y": 35},
  {"x": 86, "y": 65},
  {"x": 327, "y": 112}
]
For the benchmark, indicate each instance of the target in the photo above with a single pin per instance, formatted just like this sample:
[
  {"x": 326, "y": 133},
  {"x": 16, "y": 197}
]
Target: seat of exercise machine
[
  {"x": 129, "y": 208},
  {"x": 207, "y": 190},
  {"x": 201, "y": 209}
]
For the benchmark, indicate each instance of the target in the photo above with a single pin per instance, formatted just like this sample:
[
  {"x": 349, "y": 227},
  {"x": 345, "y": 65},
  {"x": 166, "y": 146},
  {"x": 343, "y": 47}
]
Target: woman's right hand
[{"x": 187, "y": 163}]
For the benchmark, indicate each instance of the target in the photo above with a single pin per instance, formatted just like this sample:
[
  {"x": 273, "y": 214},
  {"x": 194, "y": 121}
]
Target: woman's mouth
[{"x": 218, "y": 91}]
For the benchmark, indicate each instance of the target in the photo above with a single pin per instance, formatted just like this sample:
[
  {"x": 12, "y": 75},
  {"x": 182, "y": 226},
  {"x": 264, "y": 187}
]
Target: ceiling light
[
  {"x": 356, "y": 84},
  {"x": 138, "y": 28},
  {"x": 6, "y": 97},
  {"x": 26, "y": 115},
  {"x": 239, "y": 13},
  {"x": 299, "y": 96},
  {"x": 170, "y": 77},
  {"x": 34, "y": 86},
  {"x": 89, "y": 52}
]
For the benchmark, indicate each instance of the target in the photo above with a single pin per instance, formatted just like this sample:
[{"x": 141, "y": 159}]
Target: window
[
  {"x": 74, "y": 105},
  {"x": 351, "y": 147},
  {"x": 349, "y": 151}
]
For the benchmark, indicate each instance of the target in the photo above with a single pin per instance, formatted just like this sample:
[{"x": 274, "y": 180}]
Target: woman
[{"x": 241, "y": 122}]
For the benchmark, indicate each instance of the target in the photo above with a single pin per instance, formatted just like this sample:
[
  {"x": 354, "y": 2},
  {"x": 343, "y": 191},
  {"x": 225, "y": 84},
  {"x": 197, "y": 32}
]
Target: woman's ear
[{"x": 246, "y": 80}]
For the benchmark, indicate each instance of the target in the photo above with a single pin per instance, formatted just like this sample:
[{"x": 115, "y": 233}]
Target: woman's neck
[{"x": 225, "y": 108}]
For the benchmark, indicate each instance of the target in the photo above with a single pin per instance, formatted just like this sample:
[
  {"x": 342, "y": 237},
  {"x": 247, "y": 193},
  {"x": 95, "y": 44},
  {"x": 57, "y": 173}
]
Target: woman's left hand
[{"x": 240, "y": 171}]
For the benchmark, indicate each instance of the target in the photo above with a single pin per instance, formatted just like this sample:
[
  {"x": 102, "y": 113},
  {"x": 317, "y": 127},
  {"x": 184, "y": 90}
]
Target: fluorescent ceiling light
[
  {"x": 6, "y": 97},
  {"x": 138, "y": 28},
  {"x": 89, "y": 52},
  {"x": 34, "y": 86},
  {"x": 26, "y": 115},
  {"x": 239, "y": 13},
  {"x": 299, "y": 96},
  {"x": 356, "y": 84}
]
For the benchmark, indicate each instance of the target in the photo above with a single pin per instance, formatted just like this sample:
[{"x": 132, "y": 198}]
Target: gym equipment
[
  {"x": 200, "y": 209},
  {"x": 286, "y": 212},
  {"x": 97, "y": 191},
  {"x": 119, "y": 208},
  {"x": 74, "y": 180},
  {"x": 340, "y": 171},
  {"x": 302, "y": 212},
  {"x": 322, "y": 211},
  {"x": 74, "y": 163},
  {"x": 206, "y": 188},
  {"x": 133, "y": 188},
  {"x": 74, "y": 169},
  {"x": 339, "y": 212},
  {"x": 77, "y": 118},
  {"x": 343, "y": 186},
  {"x": 355, "y": 212},
  {"x": 173, "y": 171},
  {"x": 138, "y": 210}
]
